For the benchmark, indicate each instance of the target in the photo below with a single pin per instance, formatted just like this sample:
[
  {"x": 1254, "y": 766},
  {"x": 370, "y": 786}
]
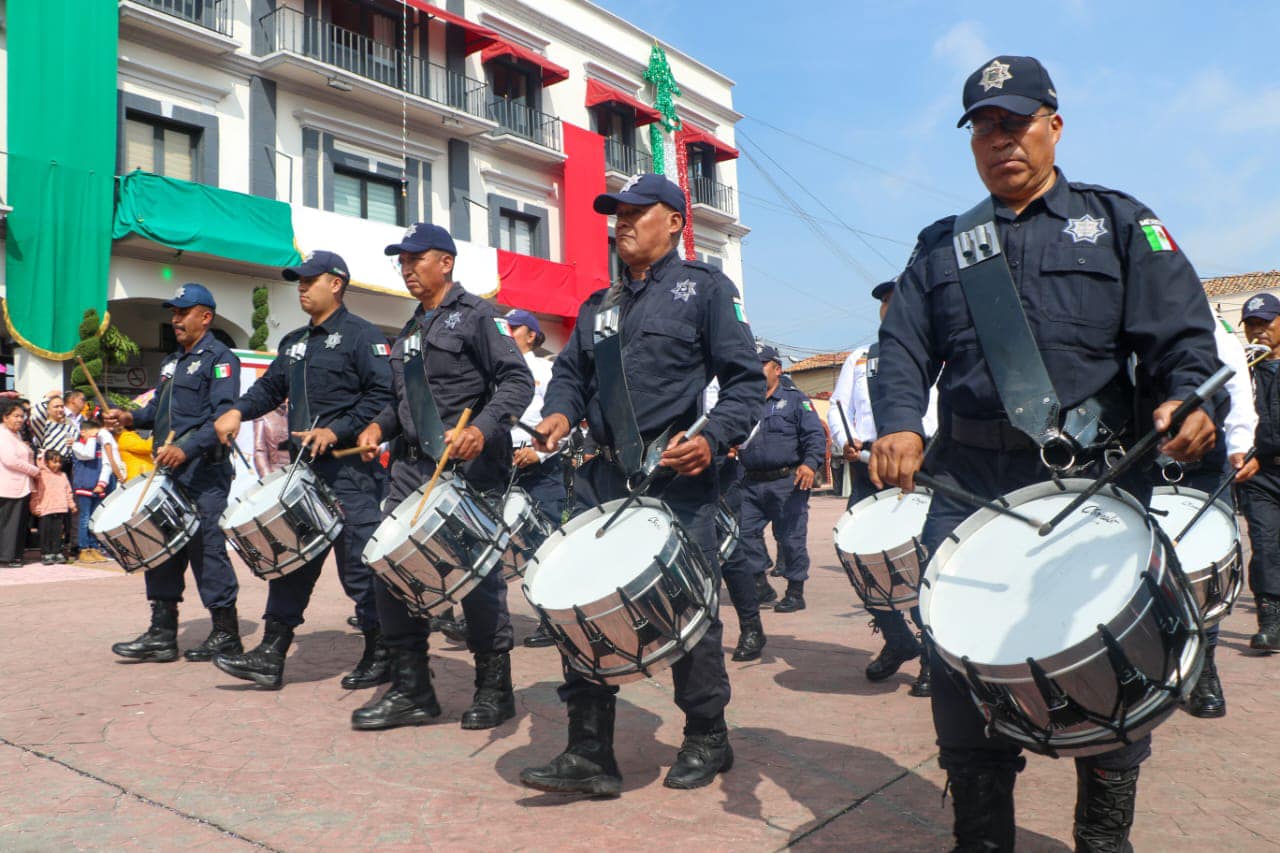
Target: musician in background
[
  {"x": 1100, "y": 279},
  {"x": 334, "y": 374},
  {"x": 681, "y": 324},
  {"x": 469, "y": 361},
  {"x": 1261, "y": 495},
  {"x": 198, "y": 382}
]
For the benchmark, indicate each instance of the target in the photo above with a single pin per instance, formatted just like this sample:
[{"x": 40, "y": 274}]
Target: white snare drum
[
  {"x": 727, "y": 531},
  {"x": 457, "y": 541},
  {"x": 1073, "y": 643},
  {"x": 627, "y": 603},
  {"x": 1209, "y": 552},
  {"x": 528, "y": 528},
  {"x": 162, "y": 527},
  {"x": 278, "y": 531},
  {"x": 878, "y": 543}
]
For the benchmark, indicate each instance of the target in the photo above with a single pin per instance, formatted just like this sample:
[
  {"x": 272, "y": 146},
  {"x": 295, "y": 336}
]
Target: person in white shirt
[
  {"x": 541, "y": 474},
  {"x": 852, "y": 396}
]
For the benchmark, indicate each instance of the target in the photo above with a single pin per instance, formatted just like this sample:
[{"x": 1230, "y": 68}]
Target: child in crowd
[
  {"x": 51, "y": 503},
  {"x": 91, "y": 479}
]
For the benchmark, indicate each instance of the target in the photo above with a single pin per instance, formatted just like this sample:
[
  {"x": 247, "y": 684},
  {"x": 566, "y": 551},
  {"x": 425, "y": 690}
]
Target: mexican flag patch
[
  {"x": 739, "y": 311},
  {"x": 1157, "y": 235},
  {"x": 221, "y": 371},
  {"x": 381, "y": 349},
  {"x": 504, "y": 328},
  {"x": 807, "y": 406}
]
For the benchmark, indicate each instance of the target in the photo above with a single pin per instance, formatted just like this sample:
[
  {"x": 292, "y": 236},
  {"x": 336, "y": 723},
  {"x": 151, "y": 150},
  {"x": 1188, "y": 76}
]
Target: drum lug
[
  {"x": 1063, "y": 712},
  {"x": 1131, "y": 685}
]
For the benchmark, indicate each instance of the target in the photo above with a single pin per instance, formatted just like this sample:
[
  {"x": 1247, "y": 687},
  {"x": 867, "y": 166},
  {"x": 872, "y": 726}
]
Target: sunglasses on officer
[{"x": 1010, "y": 123}]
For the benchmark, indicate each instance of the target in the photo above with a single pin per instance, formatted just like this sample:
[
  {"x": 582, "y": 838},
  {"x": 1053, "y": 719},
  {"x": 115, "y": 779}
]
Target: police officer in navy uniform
[
  {"x": 335, "y": 374},
  {"x": 1099, "y": 279},
  {"x": 678, "y": 325},
  {"x": 470, "y": 361},
  {"x": 198, "y": 382},
  {"x": 1261, "y": 495}
]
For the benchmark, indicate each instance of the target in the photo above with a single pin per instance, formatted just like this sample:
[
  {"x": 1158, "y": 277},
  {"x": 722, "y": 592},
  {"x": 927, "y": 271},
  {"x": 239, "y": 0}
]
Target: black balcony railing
[
  {"x": 620, "y": 157},
  {"x": 707, "y": 191},
  {"x": 515, "y": 118},
  {"x": 211, "y": 14},
  {"x": 291, "y": 31}
]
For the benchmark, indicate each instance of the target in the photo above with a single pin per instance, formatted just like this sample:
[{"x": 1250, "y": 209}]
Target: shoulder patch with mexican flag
[
  {"x": 381, "y": 349},
  {"x": 221, "y": 371},
  {"x": 504, "y": 328},
  {"x": 806, "y": 405},
  {"x": 1158, "y": 237},
  {"x": 739, "y": 311}
]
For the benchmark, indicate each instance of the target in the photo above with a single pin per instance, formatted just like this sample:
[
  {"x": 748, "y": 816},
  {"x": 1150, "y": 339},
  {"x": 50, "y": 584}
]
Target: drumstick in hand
[
  {"x": 147, "y": 485},
  {"x": 352, "y": 451},
  {"x": 444, "y": 457}
]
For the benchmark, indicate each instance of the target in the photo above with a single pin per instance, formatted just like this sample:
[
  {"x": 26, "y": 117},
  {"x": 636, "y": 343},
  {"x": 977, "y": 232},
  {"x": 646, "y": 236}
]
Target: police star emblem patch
[
  {"x": 1086, "y": 229},
  {"x": 193, "y": 368},
  {"x": 333, "y": 340},
  {"x": 1254, "y": 303},
  {"x": 452, "y": 321},
  {"x": 684, "y": 291},
  {"x": 994, "y": 75},
  {"x": 631, "y": 182}
]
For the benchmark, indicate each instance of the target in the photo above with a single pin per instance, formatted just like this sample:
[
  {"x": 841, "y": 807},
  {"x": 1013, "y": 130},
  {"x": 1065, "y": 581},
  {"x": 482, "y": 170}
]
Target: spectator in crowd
[
  {"x": 271, "y": 440},
  {"x": 91, "y": 479},
  {"x": 52, "y": 503},
  {"x": 17, "y": 468},
  {"x": 135, "y": 453},
  {"x": 51, "y": 427},
  {"x": 75, "y": 404}
]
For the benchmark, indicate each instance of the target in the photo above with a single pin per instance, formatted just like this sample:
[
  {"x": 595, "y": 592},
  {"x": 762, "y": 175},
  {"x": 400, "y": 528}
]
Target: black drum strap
[
  {"x": 422, "y": 405},
  {"x": 299, "y": 405},
  {"x": 611, "y": 384}
]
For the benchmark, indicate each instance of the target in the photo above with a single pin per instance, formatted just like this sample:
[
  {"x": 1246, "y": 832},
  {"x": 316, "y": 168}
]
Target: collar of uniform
[
  {"x": 1056, "y": 200},
  {"x": 656, "y": 269},
  {"x": 331, "y": 322},
  {"x": 452, "y": 295},
  {"x": 206, "y": 341}
]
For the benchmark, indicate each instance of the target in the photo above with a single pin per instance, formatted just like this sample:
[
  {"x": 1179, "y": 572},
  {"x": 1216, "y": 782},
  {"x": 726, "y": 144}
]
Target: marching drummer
[
  {"x": 198, "y": 382},
  {"x": 1100, "y": 278},
  {"x": 335, "y": 375},
  {"x": 470, "y": 361},
  {"x": 667, "y": 328}
]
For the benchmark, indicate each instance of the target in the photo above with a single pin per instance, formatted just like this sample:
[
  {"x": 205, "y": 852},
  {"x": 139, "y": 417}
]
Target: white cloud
[
  {"x": 1221, "y": 101},
  {"x": 963, "y": 46}
]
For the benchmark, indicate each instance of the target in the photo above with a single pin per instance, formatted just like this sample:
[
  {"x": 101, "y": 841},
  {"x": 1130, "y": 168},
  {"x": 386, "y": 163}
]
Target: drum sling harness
[
  {"x": 611, "y": 382},
  {"x": 422, "y": 405}
]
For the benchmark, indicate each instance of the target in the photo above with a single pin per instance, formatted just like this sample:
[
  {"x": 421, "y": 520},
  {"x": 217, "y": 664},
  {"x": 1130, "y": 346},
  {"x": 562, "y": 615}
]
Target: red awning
[
  {"x": 551, "y": 73},
  {"x": 691, "y": 135},
  {"x": 599, "y": 93},
  {"x": 478, "y": 37}
]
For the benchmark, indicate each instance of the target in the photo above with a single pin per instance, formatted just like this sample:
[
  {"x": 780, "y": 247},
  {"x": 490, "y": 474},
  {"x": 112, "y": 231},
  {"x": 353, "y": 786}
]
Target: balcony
[
  {"x": 521, "y": 122},
  {"x": 211, "y": 14},
  {"x": 312, "y": 51},
  {"x": 716, "y": 200},
  {"x": 624, "y": 159},
  {"x": 205, "y": 25}
]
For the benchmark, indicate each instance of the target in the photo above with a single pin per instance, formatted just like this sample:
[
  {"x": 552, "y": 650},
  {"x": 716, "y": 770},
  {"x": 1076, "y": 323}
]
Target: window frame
[{"x": 365, "y": 178}]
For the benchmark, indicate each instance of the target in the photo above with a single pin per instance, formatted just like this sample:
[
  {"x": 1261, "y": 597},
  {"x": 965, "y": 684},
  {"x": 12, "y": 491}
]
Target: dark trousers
[
  {"x": 739, "y": 577},
  {"x": 962, "y": 739},
  {"x": 358, "y": 486},
  {"x": 13, "y": 533},
  {"x": 206, "y": 553},
  {"x": 545, "y": 484},
  {"x": 780, "y": 503},
  {"x": 890, "y": 622},
  {"x": 485, "y": 607},
  {"x": 87, "y": 504},
  {"x": 53, "y": 530},
  {"x": 1260, "y": 498},
  {"x": 701, "y": 682}
]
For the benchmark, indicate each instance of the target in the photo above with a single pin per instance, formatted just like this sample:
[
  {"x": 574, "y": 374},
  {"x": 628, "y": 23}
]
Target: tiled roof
[
  {"x": 817, "y": 362},
  {"x": 1250, "y": 282}
]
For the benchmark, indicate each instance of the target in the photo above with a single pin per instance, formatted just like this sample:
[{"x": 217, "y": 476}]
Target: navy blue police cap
[
  {"x": 1018, "y": 84},
  {"x": 883, "y": 289},
  {"x": 768, "y": 353},
  {"x": 642, "y": 190},
  {"x": 317, "y": 263},
  {"x": 422, "y": 237},
  {"x": 1264, "y": 306},
  {"x": 191, "y": 294}
]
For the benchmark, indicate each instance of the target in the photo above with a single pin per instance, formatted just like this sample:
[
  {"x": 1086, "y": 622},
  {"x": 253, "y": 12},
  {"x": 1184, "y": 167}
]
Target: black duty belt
[
  {"x": 996, "y": 434},
  {"x": 1269, "y": 460},
  {"x": 764, "y": 475}
]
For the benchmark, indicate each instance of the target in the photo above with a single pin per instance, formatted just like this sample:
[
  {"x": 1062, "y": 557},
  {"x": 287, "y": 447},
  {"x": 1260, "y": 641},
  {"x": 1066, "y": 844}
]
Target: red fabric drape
[
  {"x": 551, "y": 73},
  {"x": 723, "y": 150},
  {"x": 599, "y": 93}
]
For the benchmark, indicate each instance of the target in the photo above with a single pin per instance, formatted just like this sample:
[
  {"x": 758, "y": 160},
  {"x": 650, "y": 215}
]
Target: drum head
[
  {"x": 1210, "y": 541},
  {"x": 1004, "y": 593},
  {"x": 516, "y": 507},
  {"x": 117, "y": 509},
  {"x": 259, "y": 499},
  {"x": 883, "y": 521},
  {"x": 575, "y": 568}
]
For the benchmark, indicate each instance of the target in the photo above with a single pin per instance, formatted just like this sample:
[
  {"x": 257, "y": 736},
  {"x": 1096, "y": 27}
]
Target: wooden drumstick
[
  {"x": 444, "y": 457},
  {"x": 352, "y": 451},
  {"x": 146, "y": 486},
  {"x": 102, "y": 404}
]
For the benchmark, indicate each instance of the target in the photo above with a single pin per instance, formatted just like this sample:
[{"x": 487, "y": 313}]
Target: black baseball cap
[
  {"x": 768, "y": 353},
  {"x": 422, "y": 237},
  {"x": 1264, "y": 306},
  {"x": 644, "y": 190},
  {"x": 883, "y": 289},
  {"x": 316, "y": 263},
  {"x": 191, "y": 294},
  {"x": 1018, "y": 84}
]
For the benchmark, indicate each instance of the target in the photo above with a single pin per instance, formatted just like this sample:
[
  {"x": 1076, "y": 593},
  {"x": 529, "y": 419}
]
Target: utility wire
[{"x": 773, "y": 205}]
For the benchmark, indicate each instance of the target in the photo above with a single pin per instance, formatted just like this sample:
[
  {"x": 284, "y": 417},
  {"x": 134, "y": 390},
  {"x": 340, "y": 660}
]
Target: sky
[{"x": 850, "y": 108}]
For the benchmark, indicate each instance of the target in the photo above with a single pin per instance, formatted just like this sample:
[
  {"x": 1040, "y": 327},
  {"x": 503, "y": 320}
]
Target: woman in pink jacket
[{"x": 17, "y": 468}]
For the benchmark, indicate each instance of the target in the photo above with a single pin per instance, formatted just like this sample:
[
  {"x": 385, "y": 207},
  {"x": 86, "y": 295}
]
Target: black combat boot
[
  {"x": 1206, "y": 697},
  {"x": 793, "y": 600},
  {"x": 766, "y": 595},
  {"x": 587, "y": 765},
  {"x": 410, "y": 701},
  {"x": 1268, "y": 637},
  {"x": 494, "y": 702},
  {"x": 160, "y": 641},
  {"x": 900, "y": 646},
  {"x": 263, "y": 665},
  {"x": 982, "y": 802},
  {"x": 751, "y": 640},
  {"x": 223, "y": 639},
  {"x": 704, "y": 753},
  {"x": 455, "y": 630},
  {"x": 1105, "y": 801},
  {"x": 374, "y": 666}
]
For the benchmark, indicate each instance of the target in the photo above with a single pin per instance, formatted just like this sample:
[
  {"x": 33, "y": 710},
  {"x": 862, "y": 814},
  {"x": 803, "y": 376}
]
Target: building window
[
  {"x": 364, "y": 196},
  {"x": 512, "y": 83},
  {"x": 162, "y": 147},
  {"x": 517, "y": 233},
  {"x": 702, "y": 162}
]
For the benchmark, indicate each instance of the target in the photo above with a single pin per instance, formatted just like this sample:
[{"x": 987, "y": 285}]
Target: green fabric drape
[
  {"x": 196, "y": 218},
  {"x": 62, "y": 152}
]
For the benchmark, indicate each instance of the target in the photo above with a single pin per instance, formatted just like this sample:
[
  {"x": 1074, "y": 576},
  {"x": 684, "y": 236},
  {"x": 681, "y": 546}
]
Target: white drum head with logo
[
  {"x": 117, "y": 509},
  {"x": 883, "y": 521},
  {"x": 1211, "y": 540}
]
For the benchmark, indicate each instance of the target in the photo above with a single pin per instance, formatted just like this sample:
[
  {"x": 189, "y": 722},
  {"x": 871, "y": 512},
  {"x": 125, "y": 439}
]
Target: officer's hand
[
  {"x": 1244, "y": 470},
  {"x": 804, "y": 478},
  {"x": 117, "y": 419},
  {"x": 895, "y": 459},
  {"x": 555, "y": 427},
  {"x": 1195, "y": 437},
  {"x": 319, "y": 440},
  {"x": 733, "y": 453},
  {"x": 524, "y": 457},
  {"x": 466, "y": 444},
  {"x": 851, "y": 450},
  {"x": 688, "y": 458},
  {"x": 170, "y": 456},
  {"x": 227, "y": 425},
  {"x": 370, "y": 437}
]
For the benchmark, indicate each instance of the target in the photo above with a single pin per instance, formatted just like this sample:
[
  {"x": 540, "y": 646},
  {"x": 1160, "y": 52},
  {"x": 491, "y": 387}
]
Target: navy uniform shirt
[
  {"x": 347, "y": 376},
  {"x": 1099, "y": 279},
  {"x": 471, "y": 361},
  {"x": 1266, "y": 395},
  {"x": 681, "y": 327},
  {"x": 195, "y": 388},
  {"x": 789, "y": 434}
]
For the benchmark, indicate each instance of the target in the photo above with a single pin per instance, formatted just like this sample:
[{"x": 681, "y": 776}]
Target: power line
[{"x": 761, "y": 200}]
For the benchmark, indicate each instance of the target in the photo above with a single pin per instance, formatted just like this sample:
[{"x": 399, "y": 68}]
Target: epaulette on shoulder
[{"x": 1098, "y": 189}]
